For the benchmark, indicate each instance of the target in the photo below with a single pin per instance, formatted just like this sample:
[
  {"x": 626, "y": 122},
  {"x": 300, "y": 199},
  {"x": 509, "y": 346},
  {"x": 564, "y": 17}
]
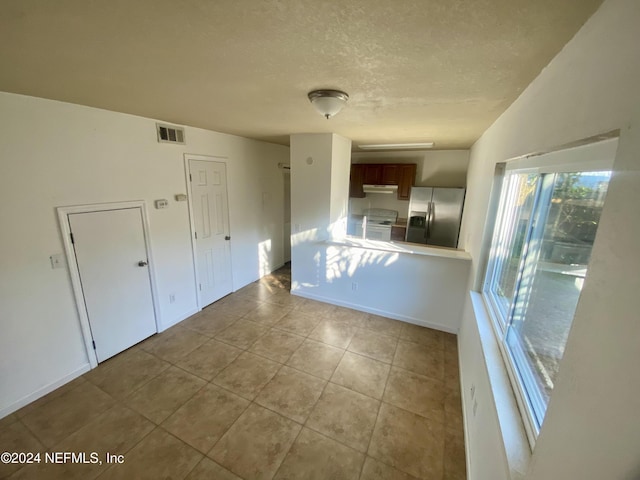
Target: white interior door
[
  {"x": 112, "y": 260},
  {"x": 211, "y": 221}
]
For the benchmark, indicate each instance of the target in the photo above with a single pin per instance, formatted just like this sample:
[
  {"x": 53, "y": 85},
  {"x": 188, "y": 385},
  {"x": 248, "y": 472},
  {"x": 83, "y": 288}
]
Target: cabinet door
[
  {"x": 372, "y": 174},
  {"x": 389, "y": 175},
  {"x": 356, "y": 181},
  {"x": 406, "y": 179},
  {"x": 398, "y": 233}
]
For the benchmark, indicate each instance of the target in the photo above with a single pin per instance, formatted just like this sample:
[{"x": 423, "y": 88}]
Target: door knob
[
  {"x": 227, "y": 237},
  {"x": 142, "y": 263}
]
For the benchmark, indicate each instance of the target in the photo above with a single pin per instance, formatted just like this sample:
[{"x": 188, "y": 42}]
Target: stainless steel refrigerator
[{"x": 434, "y": 215}]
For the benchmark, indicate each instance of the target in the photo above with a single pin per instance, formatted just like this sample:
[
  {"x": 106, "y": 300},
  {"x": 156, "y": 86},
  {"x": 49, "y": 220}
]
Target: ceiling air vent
[{"x": 170, "y": 134}]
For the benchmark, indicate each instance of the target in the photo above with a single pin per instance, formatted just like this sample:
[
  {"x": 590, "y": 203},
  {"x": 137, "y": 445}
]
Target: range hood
[{"x": 380, "y": 188}]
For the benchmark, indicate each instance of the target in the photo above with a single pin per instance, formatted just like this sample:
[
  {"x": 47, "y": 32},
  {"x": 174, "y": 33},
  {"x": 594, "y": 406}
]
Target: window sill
[
  {"x": 401, "y": 247},
  {"x": 514, "y": 437}
]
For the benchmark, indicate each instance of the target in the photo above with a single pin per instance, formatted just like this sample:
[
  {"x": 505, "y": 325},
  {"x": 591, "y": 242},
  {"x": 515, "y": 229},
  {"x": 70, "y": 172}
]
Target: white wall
[
  {"x": 310, "y": 160},
  {"x": 55, "y": 154},
  {"x": 592, "y": 428},
  {"x": 340, "y": 170},
  {"x": 434, "y": 168},
  {"x": 421, "y": 289}
]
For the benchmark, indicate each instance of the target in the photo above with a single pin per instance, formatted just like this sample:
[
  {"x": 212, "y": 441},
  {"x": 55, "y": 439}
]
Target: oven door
[{"x": 379, "y": 232}]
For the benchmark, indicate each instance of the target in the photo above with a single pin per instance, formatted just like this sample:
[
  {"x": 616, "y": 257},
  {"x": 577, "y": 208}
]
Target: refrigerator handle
[{"x": 428, "y": 219}]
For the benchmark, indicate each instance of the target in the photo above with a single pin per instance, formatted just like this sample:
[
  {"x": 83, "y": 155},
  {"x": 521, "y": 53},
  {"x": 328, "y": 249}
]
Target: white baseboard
[
  {"x": 278, "y": 267},
  {"x": 273, "y": 269},
  {"x": 375, "y": 311},
  {"x": 41, "y": 392},
  {"x": 466, "y": 417},
  {"x": 179, "y": 319}
]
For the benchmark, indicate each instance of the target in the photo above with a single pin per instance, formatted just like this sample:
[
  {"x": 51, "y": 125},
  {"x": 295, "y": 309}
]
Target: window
[{"x": 546, "y": 223}]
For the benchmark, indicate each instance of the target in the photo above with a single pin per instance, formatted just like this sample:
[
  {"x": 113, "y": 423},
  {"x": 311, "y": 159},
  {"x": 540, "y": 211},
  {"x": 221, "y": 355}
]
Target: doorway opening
[{"x": 286, "y": 174}]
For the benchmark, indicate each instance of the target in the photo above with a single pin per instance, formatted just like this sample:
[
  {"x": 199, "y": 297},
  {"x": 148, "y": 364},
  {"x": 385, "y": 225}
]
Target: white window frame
[{"x": 591, "y": 157}]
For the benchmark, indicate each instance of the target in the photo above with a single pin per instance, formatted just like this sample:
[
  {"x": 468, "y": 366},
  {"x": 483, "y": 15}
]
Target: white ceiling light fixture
[
  {"x": 328, "y": 102},
  {"x": 396, "y": 146}
]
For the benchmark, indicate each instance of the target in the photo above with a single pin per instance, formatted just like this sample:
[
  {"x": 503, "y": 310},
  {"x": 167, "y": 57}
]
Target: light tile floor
[{"x": 259, "y": 385}]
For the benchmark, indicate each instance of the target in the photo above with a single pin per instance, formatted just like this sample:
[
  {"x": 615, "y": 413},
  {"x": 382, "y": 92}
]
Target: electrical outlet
[
  {"x": 354, "y": 286},
  {"x": 473, "y": 390},
  {"x": 172, "y": 298}
]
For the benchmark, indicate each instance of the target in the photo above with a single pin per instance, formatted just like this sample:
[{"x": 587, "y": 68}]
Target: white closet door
[
  {"x": 113, "y": 264},
  {"x": 211, "y": 221}
]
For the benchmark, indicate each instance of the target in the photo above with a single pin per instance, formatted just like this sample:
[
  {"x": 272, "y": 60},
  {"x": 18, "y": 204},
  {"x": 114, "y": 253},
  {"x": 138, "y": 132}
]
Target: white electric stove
[{"x": 376, "y": 224}]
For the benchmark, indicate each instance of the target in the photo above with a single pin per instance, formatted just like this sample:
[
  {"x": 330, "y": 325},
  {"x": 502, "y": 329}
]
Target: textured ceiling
[{"x": 416, "y": 70}]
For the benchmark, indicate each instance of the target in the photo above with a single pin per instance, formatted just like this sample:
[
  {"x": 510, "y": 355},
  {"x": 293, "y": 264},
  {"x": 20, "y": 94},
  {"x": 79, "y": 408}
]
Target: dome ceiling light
[{"x": 328, "y": 102}]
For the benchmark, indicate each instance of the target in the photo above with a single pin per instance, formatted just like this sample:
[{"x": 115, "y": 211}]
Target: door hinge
[
  {"x": 93, "y": 342},
  {"x": 196, "y": 234},
  {"x": 72, "y": 240},
  {"x": 200, "y": 285},
  {"x": 190, "y": 178}
]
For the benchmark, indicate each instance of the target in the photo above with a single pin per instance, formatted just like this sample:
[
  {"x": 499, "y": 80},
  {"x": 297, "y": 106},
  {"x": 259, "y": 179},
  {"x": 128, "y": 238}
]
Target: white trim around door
[
  {"x": 192, "y": 226},
  {"x": 74, "y": 273}
]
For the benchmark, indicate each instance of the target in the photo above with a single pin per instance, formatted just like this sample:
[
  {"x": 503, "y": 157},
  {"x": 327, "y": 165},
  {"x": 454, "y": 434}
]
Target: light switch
[{"x": 57, "y": 260}]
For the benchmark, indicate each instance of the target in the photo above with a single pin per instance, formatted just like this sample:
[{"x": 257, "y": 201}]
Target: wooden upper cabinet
[
  {"x": 356, "y": 180},
  {"x": 406, "y": 179},
  {"x": 401, "y": 174},
  {"x": 372, "y": 174},
  {"x": 389, "y": 174}
]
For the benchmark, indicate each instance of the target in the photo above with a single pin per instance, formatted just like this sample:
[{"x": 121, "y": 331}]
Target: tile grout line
[
  {"x": 345, "y": 350},
  {"x": 206, "y": 455},
  {"x": 183, "y": 403},
  {"x": 18, "y": 419},
  {"x": 141, "y": 385},
  {"x": 208, "y": 335},
  {"x": 74, "y": 431},
  {"x": 444, "y": 424},
  {"x": 155, "y": 426},
  {"x": 384, "y": 390},
  {"x": 304, "y": 425},
  {"x": 271, "y": 359},
  {"x": 31, "y": 432},
  {"x": 197, "y": 463},
  {"x": 49, "y": 401},
  {"x": 307, "y": 419},
  {"x": 92, "y": 420},
  {"x": 284, "y": 457},
  {"x": 299, "y": 307},
  {"x": 251, "y": 402}
]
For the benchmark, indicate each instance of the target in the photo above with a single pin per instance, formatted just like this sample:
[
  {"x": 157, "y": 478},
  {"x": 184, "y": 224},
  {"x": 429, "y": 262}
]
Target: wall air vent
[{"x": 170, "y": 134}]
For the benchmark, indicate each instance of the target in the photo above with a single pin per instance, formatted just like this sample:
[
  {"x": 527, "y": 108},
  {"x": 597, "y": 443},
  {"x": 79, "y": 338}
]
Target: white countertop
[{"x": 402, "y": 247}]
